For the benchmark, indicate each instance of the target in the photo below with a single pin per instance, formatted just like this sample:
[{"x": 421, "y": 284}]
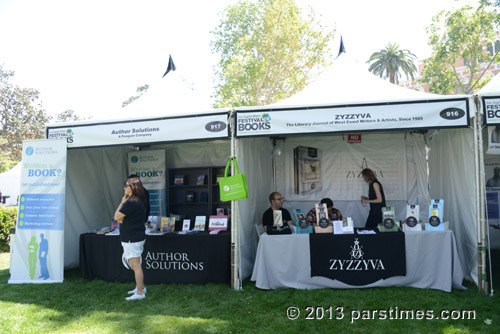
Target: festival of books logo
[
  {"x": 256, "y": 123},
  {"x": 62, "y": 133},
  {"x": 356, "y": 261}
]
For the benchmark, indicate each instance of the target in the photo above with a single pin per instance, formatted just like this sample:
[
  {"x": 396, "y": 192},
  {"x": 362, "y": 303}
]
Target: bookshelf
[{"x": 189, "y": 198}]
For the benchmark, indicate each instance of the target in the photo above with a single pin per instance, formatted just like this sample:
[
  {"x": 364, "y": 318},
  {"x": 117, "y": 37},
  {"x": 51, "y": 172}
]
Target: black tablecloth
[
  {"x": 358, "y": 259},
  {"x": 169, "y": 258}
]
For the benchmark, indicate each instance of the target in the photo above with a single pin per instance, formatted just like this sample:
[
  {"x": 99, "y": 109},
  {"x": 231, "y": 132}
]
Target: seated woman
[{"x": 333, "y": 214}]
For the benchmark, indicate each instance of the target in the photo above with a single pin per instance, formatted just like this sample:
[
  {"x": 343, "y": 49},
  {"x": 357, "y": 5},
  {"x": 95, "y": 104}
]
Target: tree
[
  {"x": 141, "y": 90},
  {"x": 68, "y": 116},
  {"x": 21, "y": 117},
  {"x": 457, "y": 38},
  {"x": 267, "y": 51},
  {"x": 391, "y": 61}
]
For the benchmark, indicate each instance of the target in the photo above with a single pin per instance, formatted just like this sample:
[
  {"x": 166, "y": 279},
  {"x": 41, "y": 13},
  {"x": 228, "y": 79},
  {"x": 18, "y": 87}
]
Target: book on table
[
  {"x": 167, "y": 224},
  {"x": 199, "y": 223},
  {"x": 217, "y": 223},
  {"x": 220, "y": 211},
  {"x": 277, "y": 218},
  {"x": 186, "y": 224}
]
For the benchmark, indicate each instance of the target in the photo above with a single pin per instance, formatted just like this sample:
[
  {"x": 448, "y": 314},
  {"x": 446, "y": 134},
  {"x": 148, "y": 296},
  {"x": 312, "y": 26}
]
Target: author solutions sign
[{"x": 206, "y": 126}]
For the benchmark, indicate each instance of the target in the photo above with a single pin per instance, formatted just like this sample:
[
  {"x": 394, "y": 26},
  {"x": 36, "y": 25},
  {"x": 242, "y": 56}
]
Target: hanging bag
[{"x": 234, "y": 187}]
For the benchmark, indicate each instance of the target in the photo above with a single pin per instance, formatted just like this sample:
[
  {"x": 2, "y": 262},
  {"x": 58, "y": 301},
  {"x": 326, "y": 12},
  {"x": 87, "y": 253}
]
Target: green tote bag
[{"x": 234, "y": 187}]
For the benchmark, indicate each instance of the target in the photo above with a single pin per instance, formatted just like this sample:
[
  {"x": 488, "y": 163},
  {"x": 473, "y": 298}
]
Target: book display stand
[{"x": 198, "y": 195}]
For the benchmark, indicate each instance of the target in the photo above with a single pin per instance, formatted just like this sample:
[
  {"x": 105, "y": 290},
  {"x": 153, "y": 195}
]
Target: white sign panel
[
  {"x": 210, "y": 126},
  {"x": 38, "y": 250},
  {"x": 493, "y": 139},
  {"x": 432, "y": 114},
  {"x": 491, "y": 109},
  {"x": 150, "y": 167}
]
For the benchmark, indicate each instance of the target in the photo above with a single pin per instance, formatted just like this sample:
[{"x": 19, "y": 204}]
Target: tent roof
[
  {"x": 348, "y": 82},
  {"x": 167, "y": 96},
  {"x": 491, "y": 88}
]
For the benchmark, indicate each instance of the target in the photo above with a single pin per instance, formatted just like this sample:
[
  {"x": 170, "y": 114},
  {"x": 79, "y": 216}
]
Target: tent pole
[
  {"x": 478, "y": 214},
  {"x": 235, "y": 278},
  {"x": 480, "y": 196},
  {"x": 482, "y": 184}
]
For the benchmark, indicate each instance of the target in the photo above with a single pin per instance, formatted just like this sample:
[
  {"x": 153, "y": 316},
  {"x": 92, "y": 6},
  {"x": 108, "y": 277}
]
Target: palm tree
[{"x": 391, "y": 61}]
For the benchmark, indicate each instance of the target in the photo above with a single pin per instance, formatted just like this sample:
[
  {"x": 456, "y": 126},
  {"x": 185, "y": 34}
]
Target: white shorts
[{"x": 131, "y": 250}]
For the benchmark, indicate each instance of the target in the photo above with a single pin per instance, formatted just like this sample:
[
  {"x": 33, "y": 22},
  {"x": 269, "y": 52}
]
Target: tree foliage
[
  {"x": 68, "y": 116},
  {"x": 268, "y": 52},
  {"x": 21, "y": 118},
  {"x": 391, "y": 61},
  {"x": 141, "y": 90},
  {"x": 457, "y": 38}
]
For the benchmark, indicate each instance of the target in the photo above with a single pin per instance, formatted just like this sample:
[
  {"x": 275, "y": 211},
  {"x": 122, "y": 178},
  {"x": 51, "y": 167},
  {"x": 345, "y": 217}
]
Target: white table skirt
[{"x": 283, "y": 261}]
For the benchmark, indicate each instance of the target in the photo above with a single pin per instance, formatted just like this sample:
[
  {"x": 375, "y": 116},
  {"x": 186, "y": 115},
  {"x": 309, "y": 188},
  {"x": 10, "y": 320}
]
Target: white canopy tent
[
  {"x": 97, "y": 161},
  {"x": 10, "y": 184},
  {"x": 346, "y": 100}
]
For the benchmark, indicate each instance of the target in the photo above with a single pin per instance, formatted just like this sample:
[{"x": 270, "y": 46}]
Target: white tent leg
[
  {"x": 235, "y": 267},
  {"x": 482, "y": 219}
]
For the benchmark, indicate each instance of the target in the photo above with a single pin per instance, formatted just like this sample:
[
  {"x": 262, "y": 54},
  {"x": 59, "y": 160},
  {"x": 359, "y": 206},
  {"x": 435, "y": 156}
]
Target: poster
[
  {"x": 150, "y": 167},
  {"x": 37, "y": 255},
  {"x": 493, "y": 139},
  {"x": 492, "y": 177}
]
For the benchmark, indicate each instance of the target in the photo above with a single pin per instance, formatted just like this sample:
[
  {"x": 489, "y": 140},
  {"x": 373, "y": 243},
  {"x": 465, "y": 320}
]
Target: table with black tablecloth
[
  {"x": 168, "y": 258},
  {"x": 284, "y": 261}
]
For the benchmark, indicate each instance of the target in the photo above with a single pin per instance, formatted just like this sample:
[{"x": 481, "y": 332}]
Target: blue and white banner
[
  {"x": 37, "y": 255},
  {"x": 150, "y": 167}
]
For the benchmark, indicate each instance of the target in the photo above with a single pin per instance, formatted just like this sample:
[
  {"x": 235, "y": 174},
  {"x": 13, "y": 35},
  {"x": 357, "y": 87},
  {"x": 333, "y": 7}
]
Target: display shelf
[{"x": 204, "y": 200}]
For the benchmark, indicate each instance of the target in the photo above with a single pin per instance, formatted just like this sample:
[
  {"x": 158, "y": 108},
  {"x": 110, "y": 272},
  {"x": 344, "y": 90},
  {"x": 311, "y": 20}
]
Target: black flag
[
  {"x": 170, "y": 67},
  {"x": 342, "y": 48}
]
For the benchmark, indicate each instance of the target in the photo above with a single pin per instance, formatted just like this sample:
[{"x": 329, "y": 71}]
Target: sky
[{"x": 90, "y": 56}]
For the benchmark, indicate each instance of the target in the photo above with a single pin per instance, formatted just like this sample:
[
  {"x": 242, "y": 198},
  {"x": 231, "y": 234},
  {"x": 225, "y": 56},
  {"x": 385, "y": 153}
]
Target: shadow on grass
[{"x": 79, "y": 305}]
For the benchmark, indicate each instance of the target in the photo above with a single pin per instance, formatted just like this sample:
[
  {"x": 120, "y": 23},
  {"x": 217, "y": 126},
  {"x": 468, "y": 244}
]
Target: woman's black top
[
  {"x": 133, "y": 229},
  {"x": 375, "y": 215}
]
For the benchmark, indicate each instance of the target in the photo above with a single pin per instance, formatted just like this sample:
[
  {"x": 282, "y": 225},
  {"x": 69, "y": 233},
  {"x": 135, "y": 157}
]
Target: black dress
[{"x": 375, "y": 215}]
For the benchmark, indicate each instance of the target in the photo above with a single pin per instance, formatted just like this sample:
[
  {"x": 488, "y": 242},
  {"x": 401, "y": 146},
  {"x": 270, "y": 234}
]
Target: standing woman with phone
[
  {"x": 130, "y": 214},
  {"x": 376, "y": 198}
]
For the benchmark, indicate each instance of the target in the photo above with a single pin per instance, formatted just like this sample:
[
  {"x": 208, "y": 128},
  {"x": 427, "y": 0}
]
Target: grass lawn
[{"x": 81, "y": 306}]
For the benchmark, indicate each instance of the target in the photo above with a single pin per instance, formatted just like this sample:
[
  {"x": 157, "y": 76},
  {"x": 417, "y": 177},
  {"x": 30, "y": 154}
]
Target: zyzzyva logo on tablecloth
[
  {"x": 356, "y": 262},
  {"x": 358, "y": 259}
]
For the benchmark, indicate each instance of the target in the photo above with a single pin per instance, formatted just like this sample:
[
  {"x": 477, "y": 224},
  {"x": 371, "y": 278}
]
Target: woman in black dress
[
  {"x": 376, "y": 198},
  {"x": 131, "y": 213}
]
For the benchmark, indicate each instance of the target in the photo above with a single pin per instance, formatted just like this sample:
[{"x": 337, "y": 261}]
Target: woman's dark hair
[
  {"x": 328, "y": 202},
  {"x": 368, "y": 174},
  {"x": 137, "y": 189}
]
